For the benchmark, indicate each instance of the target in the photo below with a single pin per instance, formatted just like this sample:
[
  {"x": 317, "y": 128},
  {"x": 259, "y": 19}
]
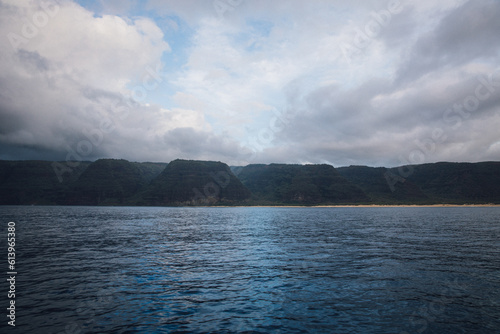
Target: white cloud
[
  {"x": 238, "y": 69},
  {"x": 72, "y": 75}
]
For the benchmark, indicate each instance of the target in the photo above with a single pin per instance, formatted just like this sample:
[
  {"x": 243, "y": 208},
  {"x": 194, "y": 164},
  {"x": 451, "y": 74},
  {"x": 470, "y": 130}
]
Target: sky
[{"x": 377, "y": 83}]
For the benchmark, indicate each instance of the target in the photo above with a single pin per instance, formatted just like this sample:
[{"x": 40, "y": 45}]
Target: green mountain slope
[
  {"x": 106, "y": 182},
  {"x": 447, "y": 182},
  {"x": 384, "y": 186},
  {"x": 149, "y": 170},
  {"x": 298, "y": 184},
  {"x": 36, "y": 182},
  {"x": 435, "y": 183},
  {"x": 184, "y": 182},
  {"x": 189, "y": 182}
]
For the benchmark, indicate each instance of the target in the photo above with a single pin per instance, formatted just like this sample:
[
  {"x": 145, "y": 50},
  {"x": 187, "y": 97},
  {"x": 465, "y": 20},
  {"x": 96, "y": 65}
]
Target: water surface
[{"x": 255, "y": 270}]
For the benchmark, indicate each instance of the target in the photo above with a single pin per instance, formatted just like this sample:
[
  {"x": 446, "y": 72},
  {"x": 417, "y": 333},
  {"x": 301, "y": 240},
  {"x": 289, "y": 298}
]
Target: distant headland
[{"x": 210, "y": 183}]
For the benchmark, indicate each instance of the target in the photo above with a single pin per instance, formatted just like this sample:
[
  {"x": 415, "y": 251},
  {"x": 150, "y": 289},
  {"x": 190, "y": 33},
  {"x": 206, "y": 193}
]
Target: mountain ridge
[{"x": 197, "y": 182}]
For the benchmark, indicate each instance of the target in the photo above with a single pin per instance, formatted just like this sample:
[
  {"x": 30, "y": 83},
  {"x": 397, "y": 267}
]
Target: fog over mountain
[{"x": 378, "y": 83}]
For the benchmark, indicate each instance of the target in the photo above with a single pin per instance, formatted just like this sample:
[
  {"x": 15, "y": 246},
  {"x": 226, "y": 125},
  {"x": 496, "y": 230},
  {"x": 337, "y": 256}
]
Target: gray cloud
[
  {"x": 466, "y": 33},
  {"x": 188, "y": 142},
  {"x": 383, "y": 121},
  {"x": 73, "y": 86},
  {"x": 32, "y": 60}
]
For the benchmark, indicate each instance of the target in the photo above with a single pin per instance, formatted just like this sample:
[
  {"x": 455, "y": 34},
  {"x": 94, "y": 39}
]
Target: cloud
[
  {"x": 72, "y": 76},
  {"x": 252, "y": 82},
  {"x": 381, "y": 123},
  {"x": 467, "y": 33},
  {"x": 408, "y": 114}
]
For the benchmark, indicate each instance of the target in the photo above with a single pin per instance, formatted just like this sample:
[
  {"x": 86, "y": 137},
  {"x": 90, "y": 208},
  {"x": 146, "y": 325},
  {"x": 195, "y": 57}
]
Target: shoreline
[
  {"x": 273, "y": 206},
  {"x": 413, "y": 205},
  {"x": 363, "y": 206}
]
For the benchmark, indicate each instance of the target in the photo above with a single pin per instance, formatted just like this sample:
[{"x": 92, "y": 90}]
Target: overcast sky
[{"x": 379, "y": 83}]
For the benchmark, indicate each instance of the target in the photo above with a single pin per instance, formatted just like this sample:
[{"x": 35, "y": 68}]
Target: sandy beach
[
  {"x": 371, "y": 206},
  {"x": 409, "y": 205}
]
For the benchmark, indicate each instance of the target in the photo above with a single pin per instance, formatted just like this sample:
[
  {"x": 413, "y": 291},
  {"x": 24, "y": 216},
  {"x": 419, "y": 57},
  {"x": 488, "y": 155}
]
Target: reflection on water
[{"x": 256, "y": 270}]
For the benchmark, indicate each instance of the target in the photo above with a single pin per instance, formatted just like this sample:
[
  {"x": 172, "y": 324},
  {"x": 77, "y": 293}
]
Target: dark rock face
[
  {"x": 106, "y": 181},
  {"x": 188, "y": 182},
  {"x": 435, "y": 183},
  {"x": 299, "y": 184}
]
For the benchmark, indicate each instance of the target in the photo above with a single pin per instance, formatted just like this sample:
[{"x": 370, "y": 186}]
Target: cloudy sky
[{"x": 379, "y": 83}]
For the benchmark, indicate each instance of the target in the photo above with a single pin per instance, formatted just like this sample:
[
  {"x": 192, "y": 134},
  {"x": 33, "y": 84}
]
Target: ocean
[{"x": 252, "y": 270}]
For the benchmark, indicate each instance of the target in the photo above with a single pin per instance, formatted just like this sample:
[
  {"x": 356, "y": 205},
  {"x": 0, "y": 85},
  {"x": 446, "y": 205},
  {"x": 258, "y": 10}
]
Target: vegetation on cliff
[
  {"x": 299, "y": 184},
  {"x": 188, "y": 182}
]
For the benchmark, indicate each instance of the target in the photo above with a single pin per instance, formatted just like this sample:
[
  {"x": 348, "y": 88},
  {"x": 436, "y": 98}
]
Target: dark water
[{"x": 254, "y": 270}]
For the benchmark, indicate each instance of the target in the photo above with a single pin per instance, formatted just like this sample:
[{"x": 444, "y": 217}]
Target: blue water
[{"x": 254, "y": 270}]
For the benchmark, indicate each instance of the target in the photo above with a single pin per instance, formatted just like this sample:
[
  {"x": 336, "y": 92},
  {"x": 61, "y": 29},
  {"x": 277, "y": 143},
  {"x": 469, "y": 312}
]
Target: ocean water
[{"x": 253, "y": 270}]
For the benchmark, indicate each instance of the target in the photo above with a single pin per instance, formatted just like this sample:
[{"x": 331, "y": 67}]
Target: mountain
[
  {"x": 434, "y": 183},
  {"x": 149, "y": 170},
  {"x": 190, "y": 182},
  {"x": 448, "y": 182},
  {"x": 298, "y": 184},
  {"x": 37, "y": 182},
  {"x": 111, "y": 182},
  {"x": 383, "y": 185}
]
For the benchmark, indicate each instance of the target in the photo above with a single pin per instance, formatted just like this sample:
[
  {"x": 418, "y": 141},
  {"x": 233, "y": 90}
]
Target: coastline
[
  {"x": 366, "y": 206},
  {"x": 413, "y": 205},
  {"x": 283, "y": 206}
]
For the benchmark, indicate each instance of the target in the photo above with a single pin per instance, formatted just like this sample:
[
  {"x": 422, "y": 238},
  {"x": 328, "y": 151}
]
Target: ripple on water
[{"x": 257, "y": 270}]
